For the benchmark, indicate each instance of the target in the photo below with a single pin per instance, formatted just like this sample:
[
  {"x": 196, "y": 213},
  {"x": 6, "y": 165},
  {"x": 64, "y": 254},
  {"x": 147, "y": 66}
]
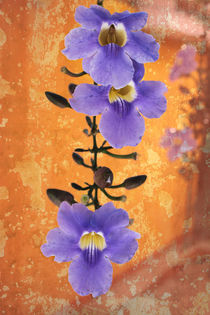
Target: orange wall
[{"x": 37, "y": 141}]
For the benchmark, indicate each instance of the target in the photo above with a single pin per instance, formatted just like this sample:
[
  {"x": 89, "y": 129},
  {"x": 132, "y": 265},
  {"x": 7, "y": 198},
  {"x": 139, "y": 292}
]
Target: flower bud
[
  {"x": 77, "y": 158},
  {"x": 135, "y": 155},
  {"x": 72, "y": 87},
  {"x": 133, "y": 182},
  {"x": 86, "y": 132},
  {"x": 103, "y": 177},
  {"x": 57, "y": 196},
  {"x": 84, "y": 199},
  {"x": 57, "y": 100}
]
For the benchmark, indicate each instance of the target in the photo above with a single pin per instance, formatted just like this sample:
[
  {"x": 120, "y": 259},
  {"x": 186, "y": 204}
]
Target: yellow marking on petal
[
  {"x": 127, "y": 93},
  {"x": 92, "y": 240},
  {"x": 115, "y": 34}
]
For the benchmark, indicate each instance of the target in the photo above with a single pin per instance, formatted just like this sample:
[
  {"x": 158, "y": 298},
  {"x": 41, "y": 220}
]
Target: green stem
[
  {"x": 102, "y": 148},
  {"x": 94, "y": 167},
  {"x": 100, "y": 2},
  {"x": 72, "y": 74},
  {"x": 87, "y": 166},
  {"x": 95, "y": 148},
  {"x": 84, "y": 188},
  {"x": 121, "y": 156},
  {"x": 121, "y": 198},
  {"x": 117, "y": 186}
]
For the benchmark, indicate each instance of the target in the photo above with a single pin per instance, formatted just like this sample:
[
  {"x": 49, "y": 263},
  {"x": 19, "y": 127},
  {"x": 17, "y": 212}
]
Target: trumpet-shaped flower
[
  {"x": 108, "y": 43},
  {"x": 121, "y": 123},
  {"x": 91, "y": 240},
  {"x": 178, "y": 142},
  {"x": 185, "y": 62}
]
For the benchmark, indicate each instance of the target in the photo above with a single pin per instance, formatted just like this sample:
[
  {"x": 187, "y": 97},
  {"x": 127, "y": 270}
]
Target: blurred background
[{"x": 169, "y": 273}]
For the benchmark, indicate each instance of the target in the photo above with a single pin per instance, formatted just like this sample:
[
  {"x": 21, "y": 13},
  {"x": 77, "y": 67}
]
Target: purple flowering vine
[{"x": 114, "y": 50}]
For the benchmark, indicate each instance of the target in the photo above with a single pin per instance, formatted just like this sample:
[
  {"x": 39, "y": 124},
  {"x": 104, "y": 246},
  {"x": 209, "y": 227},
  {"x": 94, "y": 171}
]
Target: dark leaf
[
  {"x": 86, "y": 132},
  {"x": 57, "y": 196},
  {"x": 57, "y": 100}
]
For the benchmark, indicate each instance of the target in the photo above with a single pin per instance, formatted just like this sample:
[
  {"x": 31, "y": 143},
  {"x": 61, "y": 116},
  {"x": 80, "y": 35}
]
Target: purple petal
[
  {"x": 74, "y": 219},
  {"x": 142, "y": 47},
  {"x": 86, "y": 63},
  {"x": 60, "y": 245},
  {"x": 122, "y": 130},
  {"x": 94, "y": 279},
  {"x": 108, "y": 217},
  {"x": 117, "y": 16},
  {"x": 80, "y": 43},
  {"x": 166, "y": 140},
  {"x": 174, "y": 152},
  {"x": 132, "y": 21},
  {"x": 111, "y": 66},
  {"x": 139, "y": 71},
  {"x": 150, "y": 101},
  {"x": 185, "y": 62},
  {"x": 121, "y": 245},
  {"x": 187, "y": 136},
  {"x": 176, "y": 72},
  {"x": 92, "y": 17},
  {"x": 90, "y": 99}
]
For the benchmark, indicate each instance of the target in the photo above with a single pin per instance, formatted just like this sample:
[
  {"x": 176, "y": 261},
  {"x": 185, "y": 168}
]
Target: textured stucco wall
[{"x": 168, "y": 274}]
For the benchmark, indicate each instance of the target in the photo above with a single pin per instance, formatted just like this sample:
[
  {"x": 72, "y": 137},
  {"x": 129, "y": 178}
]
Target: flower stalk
[
  {"x": 132, "y": 156},
  {"x": 72, "y": 74}
]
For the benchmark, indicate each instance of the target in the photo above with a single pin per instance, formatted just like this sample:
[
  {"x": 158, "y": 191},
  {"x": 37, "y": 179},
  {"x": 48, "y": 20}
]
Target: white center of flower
[
  {"x": 115, "y": 34},
  {"x": 127, "y": 93},
  {"x": 92, "y": 241}
]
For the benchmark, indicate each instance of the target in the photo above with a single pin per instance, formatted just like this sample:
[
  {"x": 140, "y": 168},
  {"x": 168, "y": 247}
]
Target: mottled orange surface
[{"x": 168, "y": 274}]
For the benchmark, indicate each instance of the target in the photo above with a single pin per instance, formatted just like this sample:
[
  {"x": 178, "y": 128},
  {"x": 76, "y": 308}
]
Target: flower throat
[{"x": 111, "y": 34}]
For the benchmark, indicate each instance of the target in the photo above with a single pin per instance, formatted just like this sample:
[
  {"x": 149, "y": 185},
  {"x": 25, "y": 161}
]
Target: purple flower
[
  {"x": 185, "y": 62},
  {"x": 121, "y": 123},
  {"x": 108, "y": 42},
  {"x": 91, "y": 240},
  {"x": 178, "y": 142}
]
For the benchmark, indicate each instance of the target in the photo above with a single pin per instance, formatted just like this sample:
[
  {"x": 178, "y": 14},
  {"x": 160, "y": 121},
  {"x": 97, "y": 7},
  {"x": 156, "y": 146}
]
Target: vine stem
[
  {"x": 121, "y": 156},
  {"x": 94, "y": 168}
]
